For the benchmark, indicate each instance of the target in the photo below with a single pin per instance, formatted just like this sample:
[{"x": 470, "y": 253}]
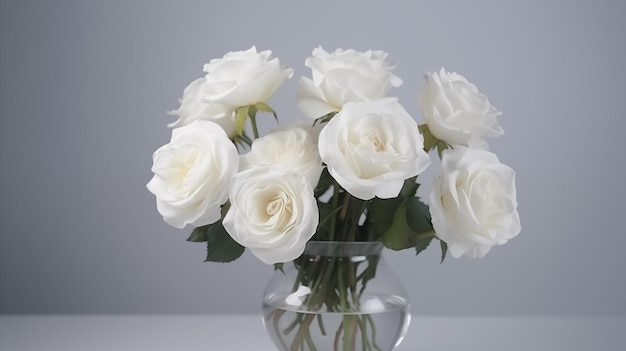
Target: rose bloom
[
  {"x": 193, "y": 105},
  {"x": 344, "y": 76},
  {"x": 192, "y": 174},
  {"x": 244, "y": 78},
  {"x": 306, "y": 124},
  {"x": 371, "y": 147},
  {"x": 473, "y": 202},
  {"x": 273, "y": 213},
  {"x": 456, "y": 112},
  {"x": 293, "y": 148}
]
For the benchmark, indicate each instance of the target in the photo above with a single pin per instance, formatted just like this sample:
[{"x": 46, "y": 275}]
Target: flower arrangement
[{"x": 348, "y": 172}]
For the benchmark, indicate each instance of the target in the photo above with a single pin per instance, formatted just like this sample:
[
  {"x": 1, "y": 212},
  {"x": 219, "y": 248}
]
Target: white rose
[
  {"x": 292, "y": 148},
  {"x": 193, "y": 105},
  {"x": 273, "y": 212},
  {"x": 244, "y": 78},
  {"x": 473, "y": 202},
  {"x": 456, "y": 112},
  {"x": 309, "y": 126},
  {"x": 344, "y": 76},
  {"x": 192, "y": 174},
  {"x": 371, "y": 147}
]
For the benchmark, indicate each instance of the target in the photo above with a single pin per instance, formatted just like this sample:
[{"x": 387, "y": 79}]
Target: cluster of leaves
[
  {"x": 400, "y": 223},
  {"x": 220, "y": 246},
  {"x": 404, "y": 222}
]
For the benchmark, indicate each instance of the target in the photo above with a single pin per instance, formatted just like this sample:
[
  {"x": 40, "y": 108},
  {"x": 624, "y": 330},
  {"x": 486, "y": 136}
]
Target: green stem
[
  {"x": 334, "y": 203},
  {"x": 364, "y": 341},
  {"x": 426, "y": 234},
  {"x": 371, "y": 322},
  {"x": 342, "y": 292},
  {"x": 276, "y": 319},
  {"x": 322, "y": 282},
  {"x": 303, "y": 331},
  {"x": 320, "y": 322},
  {"x": 351, "y": 220},
  {"x": 309, "y": 342},
  {"x": 337, "y": 336},
  {"x": 348, "y": 331},
  {"x": 345, "y": 206},
  {"x": 293, "y": 324},
  {"x": 255, "y": 129},
  {"x": 351, "y": 276}
]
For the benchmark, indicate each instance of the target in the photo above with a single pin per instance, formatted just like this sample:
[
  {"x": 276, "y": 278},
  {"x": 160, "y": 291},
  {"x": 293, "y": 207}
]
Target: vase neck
[{"x": 343, "y": 248}]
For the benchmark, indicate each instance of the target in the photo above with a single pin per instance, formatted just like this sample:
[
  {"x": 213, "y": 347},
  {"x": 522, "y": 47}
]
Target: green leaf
[
  {"x": 409, "y": 188},
  {"x": 423, "y": 242},
  {"x": 429, "y": 139},
  {"x": 279, "y": 267},
  {"x": 199, "y": 234},
  {"x": 382, "y": 211},
  {"x": 241, "y": 115},
  {"x": 261, "y": 106},
  {"x": 220, "y": 246},
  {"x": 397, "y": 237},
  {"x": 418, "y": 215},
  {"x": 441, "y": 147},
  {"x": 381, "y": 214},
  {"x": 410, "y": 227},
  {"x": 325, "y": 118},
  {"x": 444, "y": 250}
]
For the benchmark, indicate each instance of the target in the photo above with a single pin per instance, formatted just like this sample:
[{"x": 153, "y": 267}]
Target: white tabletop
[{"x": 246, "y": 332}]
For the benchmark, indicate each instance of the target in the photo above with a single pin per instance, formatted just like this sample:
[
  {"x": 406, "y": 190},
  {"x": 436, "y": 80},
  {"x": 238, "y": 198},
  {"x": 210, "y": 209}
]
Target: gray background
[{"x": 84, "y": 87}]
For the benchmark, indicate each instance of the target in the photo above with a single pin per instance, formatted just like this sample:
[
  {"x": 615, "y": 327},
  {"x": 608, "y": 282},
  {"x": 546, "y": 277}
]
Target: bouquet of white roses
[{"x": 348, "y": 173}]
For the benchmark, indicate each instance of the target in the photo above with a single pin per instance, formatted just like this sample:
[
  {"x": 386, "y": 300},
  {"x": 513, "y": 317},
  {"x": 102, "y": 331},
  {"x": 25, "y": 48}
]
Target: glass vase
[{"x": 338, "y": 296}]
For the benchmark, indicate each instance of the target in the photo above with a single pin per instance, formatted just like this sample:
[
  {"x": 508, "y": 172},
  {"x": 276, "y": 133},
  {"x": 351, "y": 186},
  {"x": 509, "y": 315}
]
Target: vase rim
[{"x": 340, "y": 242}]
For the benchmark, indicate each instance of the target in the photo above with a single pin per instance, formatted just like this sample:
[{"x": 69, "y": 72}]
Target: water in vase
[{"x": 379, "y": 325}]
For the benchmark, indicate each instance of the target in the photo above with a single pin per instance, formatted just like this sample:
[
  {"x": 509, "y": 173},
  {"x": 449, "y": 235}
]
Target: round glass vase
[{"x": 338, "y": 296}]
